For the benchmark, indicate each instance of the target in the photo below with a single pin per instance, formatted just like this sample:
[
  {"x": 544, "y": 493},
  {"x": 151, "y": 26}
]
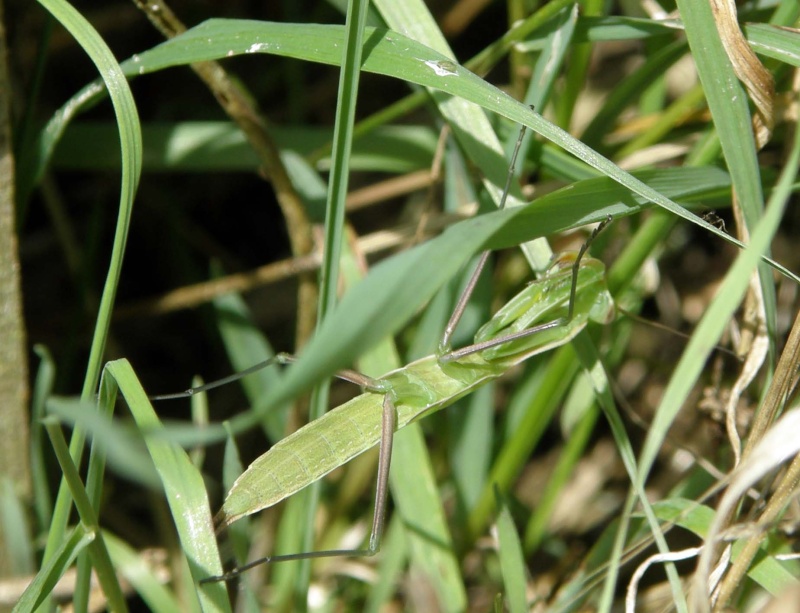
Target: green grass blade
[
  {"x": 614, "y": 28},
  {"x": 728, "y": 103},
  {"x": 560, "y": 370},
  {"x": 573, "y": 450},
  {"x": 246, "y": 346},
  {"x": 577, "y": 71},
  {"x": 512, "y": 562},
  {"x": 218, "y": 146},
  {"x": 42, "y": 389},
  {"x": 551, "y": 60},
  {"x": 593, "y": 366},
  {"x": 556, "y": 44},
  {"x": 469, "y": 124},
  {"x": 472, "y": 424},
  {"x": 239, "y": 533},
  {"x": 76, "y": 541},
  {"x": 416, "y": 498},
  {"x": 16, "y": 530},
  {"x": 101, "y": 561},
  {"x": 342, "y": 146},
  {"x": 351, "y": 62},
  {"x": 131, "y": 146},
  {"x": 121, "y": 447},
  {"x": 772, "y": 41},
  {"x": 184, "y": 488},
  {"x": 394, "y": 557}
]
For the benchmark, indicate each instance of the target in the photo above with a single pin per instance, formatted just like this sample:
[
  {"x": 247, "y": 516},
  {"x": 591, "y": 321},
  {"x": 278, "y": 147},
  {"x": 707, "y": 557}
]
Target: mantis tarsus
[{"x": 547, "y": 313}]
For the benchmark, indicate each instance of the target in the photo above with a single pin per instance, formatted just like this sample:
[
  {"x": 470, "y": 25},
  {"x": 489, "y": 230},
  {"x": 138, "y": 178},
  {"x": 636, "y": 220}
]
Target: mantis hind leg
[{"x": 388, "y": 426}]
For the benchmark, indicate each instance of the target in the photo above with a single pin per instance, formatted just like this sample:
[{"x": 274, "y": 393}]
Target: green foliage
[{"x": 651, "y": 157}]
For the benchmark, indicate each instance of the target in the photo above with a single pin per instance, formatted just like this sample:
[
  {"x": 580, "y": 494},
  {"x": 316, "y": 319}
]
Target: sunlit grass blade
[
  {"x": 774, "y": 41},
  {"x": 185, "y": 490},
  {"x": 131, "y": 147},
  {"x": 550, "y": 62},
  {"x": 548, "y": 67},
  {"x": 472, "y": 425},
  {"x": 576, "y": 72},
  {"x": 419, "y": 498},
  {"x": 122, "y": 449},
  {"x": 728, "y": 102}
]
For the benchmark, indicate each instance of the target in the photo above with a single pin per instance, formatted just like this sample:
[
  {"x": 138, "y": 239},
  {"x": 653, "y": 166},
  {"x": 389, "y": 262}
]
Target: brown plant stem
[
  {"x": 241, "y": 108},
  {"x": 14, "y": 418}
]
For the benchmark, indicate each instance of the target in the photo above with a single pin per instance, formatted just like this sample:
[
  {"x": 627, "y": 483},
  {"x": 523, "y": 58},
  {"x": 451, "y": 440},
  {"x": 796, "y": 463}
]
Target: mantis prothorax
[{"x": 548, "y": 313}]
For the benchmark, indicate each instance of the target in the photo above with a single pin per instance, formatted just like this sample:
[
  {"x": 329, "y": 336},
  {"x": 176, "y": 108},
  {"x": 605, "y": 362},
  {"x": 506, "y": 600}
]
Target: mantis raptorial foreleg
[{"x": 450, "y": 356}]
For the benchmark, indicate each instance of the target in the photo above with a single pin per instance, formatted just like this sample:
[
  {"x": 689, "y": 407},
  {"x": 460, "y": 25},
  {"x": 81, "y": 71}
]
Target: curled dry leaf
[{"x": 751, "y": 72}]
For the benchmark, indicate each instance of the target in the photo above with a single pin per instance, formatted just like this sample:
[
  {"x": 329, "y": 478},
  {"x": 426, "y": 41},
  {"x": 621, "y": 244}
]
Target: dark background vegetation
[{"x": 184, "y": 220}]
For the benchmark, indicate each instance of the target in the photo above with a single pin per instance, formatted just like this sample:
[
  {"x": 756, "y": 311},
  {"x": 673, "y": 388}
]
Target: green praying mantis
[{"x": 548, "y": 313}]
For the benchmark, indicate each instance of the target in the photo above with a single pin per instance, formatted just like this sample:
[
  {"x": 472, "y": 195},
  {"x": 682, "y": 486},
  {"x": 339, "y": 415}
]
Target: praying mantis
[
  {"x": 572, "y": 293},
  {"x": 546, "y": 314}
]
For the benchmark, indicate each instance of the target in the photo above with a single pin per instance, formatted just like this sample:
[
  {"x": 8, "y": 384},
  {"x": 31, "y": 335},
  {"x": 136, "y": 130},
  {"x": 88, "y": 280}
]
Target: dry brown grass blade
[
  {"x": 755, "y": 343},
  {"x": 785, "y": 376},
  {"x": 751, "y": 72}
]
